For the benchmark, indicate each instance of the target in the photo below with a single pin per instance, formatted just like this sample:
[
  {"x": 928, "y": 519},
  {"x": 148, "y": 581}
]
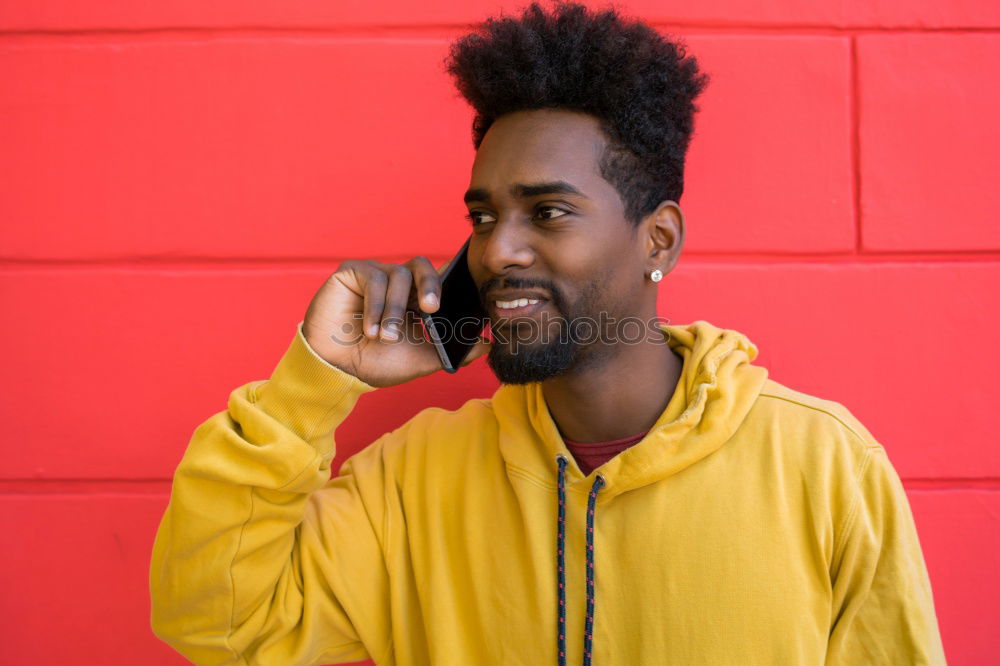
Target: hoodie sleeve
[
  {"x": 883, "y": 607},
  {"x": 260, "y": 557}
]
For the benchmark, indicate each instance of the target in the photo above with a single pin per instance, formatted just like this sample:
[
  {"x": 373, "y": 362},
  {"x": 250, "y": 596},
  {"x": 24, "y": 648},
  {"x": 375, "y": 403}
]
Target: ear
[{"x": 664, "y": 229}]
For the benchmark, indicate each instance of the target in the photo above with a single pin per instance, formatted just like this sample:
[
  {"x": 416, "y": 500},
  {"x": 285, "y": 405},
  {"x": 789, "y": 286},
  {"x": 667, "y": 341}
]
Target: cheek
[{"x": 619, "y": 284}]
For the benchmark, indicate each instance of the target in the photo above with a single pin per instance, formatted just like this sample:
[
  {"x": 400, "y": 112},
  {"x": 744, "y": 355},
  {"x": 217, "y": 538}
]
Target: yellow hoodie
[{"x": 752, "y": 525}]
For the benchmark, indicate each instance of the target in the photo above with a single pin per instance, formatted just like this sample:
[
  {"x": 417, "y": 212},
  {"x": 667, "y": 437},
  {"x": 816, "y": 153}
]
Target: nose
[{"x": 506, "y": 248}]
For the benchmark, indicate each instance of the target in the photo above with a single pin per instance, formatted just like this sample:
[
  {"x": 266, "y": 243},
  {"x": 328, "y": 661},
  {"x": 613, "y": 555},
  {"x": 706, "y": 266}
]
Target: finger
[
  {"x": 374, "y": 283},
  {"x": 427, "y": 284},
  {"x": 397, "y": 294}
]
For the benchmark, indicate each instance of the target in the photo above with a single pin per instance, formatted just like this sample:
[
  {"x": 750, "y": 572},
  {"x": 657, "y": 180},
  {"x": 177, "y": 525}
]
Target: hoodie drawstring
[{"x": 588, "y": 630}]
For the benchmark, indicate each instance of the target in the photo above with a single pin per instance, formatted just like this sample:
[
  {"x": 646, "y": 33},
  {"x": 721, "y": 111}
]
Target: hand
[{"x": 351, "y": 320}]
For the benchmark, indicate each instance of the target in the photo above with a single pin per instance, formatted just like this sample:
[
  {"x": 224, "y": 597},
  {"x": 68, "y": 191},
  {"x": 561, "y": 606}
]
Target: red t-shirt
[{"x": 590, "y": 455}]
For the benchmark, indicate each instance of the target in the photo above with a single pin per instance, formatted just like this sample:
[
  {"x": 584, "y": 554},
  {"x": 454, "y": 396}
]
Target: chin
[{"x": 531, "y": 364}]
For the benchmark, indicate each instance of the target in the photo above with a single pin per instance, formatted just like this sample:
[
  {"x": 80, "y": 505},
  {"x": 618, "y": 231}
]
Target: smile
[{"x": 508, "y": 311}]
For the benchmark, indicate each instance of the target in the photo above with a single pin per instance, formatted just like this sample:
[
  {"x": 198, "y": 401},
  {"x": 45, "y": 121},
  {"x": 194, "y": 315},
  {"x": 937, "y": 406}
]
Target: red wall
[{"x": 177, "y": 179}]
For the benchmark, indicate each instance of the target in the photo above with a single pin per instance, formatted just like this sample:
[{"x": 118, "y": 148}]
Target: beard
[{"x": 526, "y": 355}]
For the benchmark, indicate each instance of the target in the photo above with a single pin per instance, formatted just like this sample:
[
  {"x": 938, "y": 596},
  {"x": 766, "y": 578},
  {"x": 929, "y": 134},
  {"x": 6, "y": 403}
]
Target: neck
[{"x": 620, "y": 395}]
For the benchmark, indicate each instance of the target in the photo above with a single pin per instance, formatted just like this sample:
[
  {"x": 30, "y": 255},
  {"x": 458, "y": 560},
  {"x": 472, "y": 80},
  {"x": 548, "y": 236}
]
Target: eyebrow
[{"x": 525, "y": 190}]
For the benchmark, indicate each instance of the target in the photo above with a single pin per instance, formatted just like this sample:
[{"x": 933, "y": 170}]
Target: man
[{"x": 658, "y": 500}]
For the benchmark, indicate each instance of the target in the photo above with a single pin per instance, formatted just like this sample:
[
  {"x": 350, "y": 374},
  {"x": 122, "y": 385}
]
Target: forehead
[{"x": 540, "y": 145}]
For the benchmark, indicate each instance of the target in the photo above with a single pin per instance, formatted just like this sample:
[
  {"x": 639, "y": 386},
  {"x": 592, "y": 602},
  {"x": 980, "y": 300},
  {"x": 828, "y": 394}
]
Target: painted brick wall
[{"x": 177, "y": 179}]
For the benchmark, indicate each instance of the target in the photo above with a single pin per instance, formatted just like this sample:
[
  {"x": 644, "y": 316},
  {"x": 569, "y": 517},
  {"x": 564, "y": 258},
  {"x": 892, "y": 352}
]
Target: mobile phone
[{"x": 455, "y": 328}]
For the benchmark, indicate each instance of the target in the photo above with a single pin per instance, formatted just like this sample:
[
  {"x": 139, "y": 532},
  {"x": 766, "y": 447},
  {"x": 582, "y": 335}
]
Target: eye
[
  {"x": 545, "y": 212},
  {"x": 552, "y": 208},
  {"x": 473, "y": 218}
]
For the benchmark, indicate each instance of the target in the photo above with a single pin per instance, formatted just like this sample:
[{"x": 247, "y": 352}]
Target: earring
[{"x": 656, "y": 275}]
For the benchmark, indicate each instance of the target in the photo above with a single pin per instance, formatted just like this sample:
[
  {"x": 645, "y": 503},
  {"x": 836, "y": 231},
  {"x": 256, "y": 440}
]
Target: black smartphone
[{"x": 455, "y": 328}]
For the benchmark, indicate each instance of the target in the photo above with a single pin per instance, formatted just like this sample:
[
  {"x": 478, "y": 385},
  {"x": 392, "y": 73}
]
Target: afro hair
[{"x": 638, "y": 84}]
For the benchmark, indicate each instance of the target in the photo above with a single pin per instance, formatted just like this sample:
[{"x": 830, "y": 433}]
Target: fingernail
[
  {"x": 373, "y": 330},
  {"x": 431, "y": 299},
  {"x": 390, "y": 332}
]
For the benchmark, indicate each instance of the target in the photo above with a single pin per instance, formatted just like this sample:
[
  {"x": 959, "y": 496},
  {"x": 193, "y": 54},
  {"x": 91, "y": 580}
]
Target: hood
[{"x": 717, "y": 387}]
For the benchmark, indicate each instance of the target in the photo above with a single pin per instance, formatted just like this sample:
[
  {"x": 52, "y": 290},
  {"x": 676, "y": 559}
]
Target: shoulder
[
  {"x": 829, "y": 449},
  {"x": 438, "y": 422},
  {"x": 814, "y": 410},
  {"x": 821, "y": 437},
  {"x": 437, "y": 432}
]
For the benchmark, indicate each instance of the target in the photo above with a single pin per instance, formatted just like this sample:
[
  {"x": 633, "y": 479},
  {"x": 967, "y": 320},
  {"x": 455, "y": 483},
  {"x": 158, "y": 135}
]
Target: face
[{"x": 546, "y": 226}]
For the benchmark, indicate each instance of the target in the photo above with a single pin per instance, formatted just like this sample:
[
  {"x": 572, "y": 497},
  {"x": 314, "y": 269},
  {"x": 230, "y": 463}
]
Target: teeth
[{"x": 519, "y": 303}]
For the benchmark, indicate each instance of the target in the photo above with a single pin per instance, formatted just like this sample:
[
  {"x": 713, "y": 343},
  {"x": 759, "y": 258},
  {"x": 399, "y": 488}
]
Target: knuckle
[
  {"x": 354, "y": 264},
  {"x": 401, "y": 272}
]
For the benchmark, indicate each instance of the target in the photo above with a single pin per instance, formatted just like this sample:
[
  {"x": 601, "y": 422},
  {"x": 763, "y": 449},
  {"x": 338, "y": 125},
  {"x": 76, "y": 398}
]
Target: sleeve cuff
[{"x": 307, "y": 394}]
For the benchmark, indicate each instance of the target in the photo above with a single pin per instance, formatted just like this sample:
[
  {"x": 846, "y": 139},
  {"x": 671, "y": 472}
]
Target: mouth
[{"x": 509, "y": 312}]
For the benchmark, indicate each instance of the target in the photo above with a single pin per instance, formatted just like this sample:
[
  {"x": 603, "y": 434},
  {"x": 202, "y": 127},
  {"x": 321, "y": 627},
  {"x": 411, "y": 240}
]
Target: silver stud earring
[{"x": 656, "y": 275}]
